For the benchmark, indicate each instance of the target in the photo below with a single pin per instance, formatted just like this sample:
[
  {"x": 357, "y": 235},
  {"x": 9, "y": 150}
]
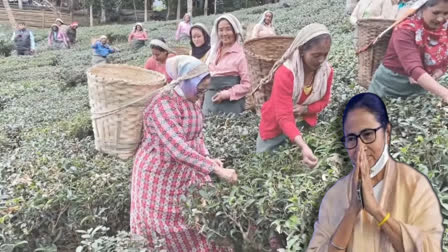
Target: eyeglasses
[{"x": 367, "y": 136}]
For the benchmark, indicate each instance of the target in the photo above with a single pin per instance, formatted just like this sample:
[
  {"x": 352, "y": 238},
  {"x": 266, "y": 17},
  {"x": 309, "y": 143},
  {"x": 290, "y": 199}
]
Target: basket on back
[
  {"x": 180, "y": 50},
  {"x": 369, "y": 60},
  {"x": 261, "y": 54},
  {"x": 118, "y": 94}
]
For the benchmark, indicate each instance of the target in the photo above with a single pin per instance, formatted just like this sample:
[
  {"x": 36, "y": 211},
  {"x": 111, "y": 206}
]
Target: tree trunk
[
  {"x": 216, "y": 8},
  {"x": 20, "y": 3},
  {"x": 103, "y": 12},
  {"x": 190, "y": 7},
  {"x": 205, "y": 7},
  {"x": 75, "y": 4},
  {"x": 91, "y": 15},
  {"x": 11, "y": 18},
  {"x": 135, "y": 11},
  {"x": 179, "y": 6},
  {"x": 168, "y": 11},
  {"x": 146, "y": 10}
]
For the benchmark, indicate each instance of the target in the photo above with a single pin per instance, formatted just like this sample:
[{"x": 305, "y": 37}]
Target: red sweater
[
  {"x": 403, "y": 56},
  {"x": 277, "y": 114}
]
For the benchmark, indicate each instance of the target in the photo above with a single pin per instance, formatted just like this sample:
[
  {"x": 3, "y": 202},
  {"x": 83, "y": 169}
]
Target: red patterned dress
[{"x": 171, "y": 157}]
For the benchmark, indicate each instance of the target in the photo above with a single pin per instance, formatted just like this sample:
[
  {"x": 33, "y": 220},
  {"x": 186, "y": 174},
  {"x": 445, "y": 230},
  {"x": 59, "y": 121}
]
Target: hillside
[{"x": 57, "y": 183}]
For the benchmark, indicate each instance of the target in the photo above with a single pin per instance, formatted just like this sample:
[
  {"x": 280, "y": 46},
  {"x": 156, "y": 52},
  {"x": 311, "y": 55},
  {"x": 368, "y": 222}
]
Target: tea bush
[{"x": 57, "y": 184}]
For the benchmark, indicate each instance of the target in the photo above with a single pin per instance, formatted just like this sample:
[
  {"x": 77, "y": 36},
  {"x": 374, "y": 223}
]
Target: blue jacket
[{"x": 102, "y": 50}]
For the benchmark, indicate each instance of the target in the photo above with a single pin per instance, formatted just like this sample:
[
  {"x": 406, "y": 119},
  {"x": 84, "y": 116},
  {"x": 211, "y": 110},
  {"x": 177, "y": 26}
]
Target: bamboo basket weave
[
  {"x": 369, "y": 60},
  {"x": 180, "y": 50},
  {"x": 261, "y": 54},
  {"x": 118, "y": 95}
]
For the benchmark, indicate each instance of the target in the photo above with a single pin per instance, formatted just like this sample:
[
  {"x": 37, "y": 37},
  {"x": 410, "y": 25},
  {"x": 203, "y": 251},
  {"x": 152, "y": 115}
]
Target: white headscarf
[
  {"x": 138, "y": 24},
  {"x": 191, "y": 19},
  {"x": 263, "y": 17},
  {"x": 215, "y": 42},
  {"x": 161, "y": 44},
  {"x": 292, "y": 60}
]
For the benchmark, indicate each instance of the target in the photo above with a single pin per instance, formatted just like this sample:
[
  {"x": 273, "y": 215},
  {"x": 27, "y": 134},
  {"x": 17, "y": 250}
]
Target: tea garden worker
[
  {"x": 401, "y": 211},
  {"x": 228, "y": 67},
  {"x": 62, "y": 27},
  {"x": 71, "y": 32},
  {"x": 183, "y": 29},
  {"x": 57, "y": 39},
  {"x": 301, "y": 89},
  {"x": 380, "y": 9},
  {"x": 265, "y": 27},
  {"x": 101, "y": 51},
  {"x": 417, "y": 55},
  {"x": 23, "y": 40},
  {"x": 200, "y": 42},
  {"x": 138, "y": 36},
  {"x": 171, "y": 158},
  {"x": 367, "y": 9},
  {"x": 160, "y": 54}
]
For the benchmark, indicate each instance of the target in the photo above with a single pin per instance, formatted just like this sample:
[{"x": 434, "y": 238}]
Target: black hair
[
  {"x": 432, "y": 3},
  {"x": 372, "y": 103},
  {"x": 204, "y": 33},
  {"x": 158, "y": 47},
  {"x": 315, "y": 41}
]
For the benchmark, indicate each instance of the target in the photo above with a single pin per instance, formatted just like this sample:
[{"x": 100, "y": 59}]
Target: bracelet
[
  {"x": 384, "y": 220},
  {"x": 336, "y": 247}
]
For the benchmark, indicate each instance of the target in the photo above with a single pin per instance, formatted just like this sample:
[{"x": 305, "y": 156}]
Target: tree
[
  {"x": 168, "y": 11},
  {"x": 11, "y": 18},
  {"x": 103, "y": 12},
  {"x": 190, "y": 7},
  {"x": 146, "y": 10},
  {"x": 179, "y": 6},
  {"x": 205, "y": 7}
]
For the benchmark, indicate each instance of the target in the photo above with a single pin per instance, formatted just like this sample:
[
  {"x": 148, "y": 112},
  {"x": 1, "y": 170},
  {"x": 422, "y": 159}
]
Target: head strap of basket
[
  {"x": 161, "y": 44},
  {"x": 182, "y": 68},
  {"x": 214, "y": 39},
  {"x": 292, "y": 60},
  {"x": 263, "y": 17}
]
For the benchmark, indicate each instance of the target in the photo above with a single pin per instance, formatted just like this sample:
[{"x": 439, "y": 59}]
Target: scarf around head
[
  {"x": 199, "y": 52},
  {"x": 191, "y": 19},
  {"x": 214, "y": 39},
  {"x": 161, "y": 44},
  {"x": 434, "y": 43},
  {"x": 138, "y": 24},
  {"x": 292, "y": 60},
  {"x": 263, "y": 17},
  {"x": 187, "y": 73}
]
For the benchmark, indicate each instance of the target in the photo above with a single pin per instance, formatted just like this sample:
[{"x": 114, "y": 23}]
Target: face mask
[{"x": 380, "y": 164}]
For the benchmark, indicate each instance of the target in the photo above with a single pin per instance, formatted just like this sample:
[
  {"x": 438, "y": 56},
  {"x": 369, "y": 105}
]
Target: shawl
[
  {"x": 407, "y": 195},
  {"x": 292, "y": 60},
  {"x": 199, "y": 52},
  {"x": 215, "y": 42}
]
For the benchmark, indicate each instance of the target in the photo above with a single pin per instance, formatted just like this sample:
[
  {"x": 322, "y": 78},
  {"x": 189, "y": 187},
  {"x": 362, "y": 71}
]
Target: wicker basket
[
  {"x": 180, "y": 50},
  {"x": 261, "y": 54},
  {"x": 118, "y": 95},
  {"x": 368, "y": 61}
]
